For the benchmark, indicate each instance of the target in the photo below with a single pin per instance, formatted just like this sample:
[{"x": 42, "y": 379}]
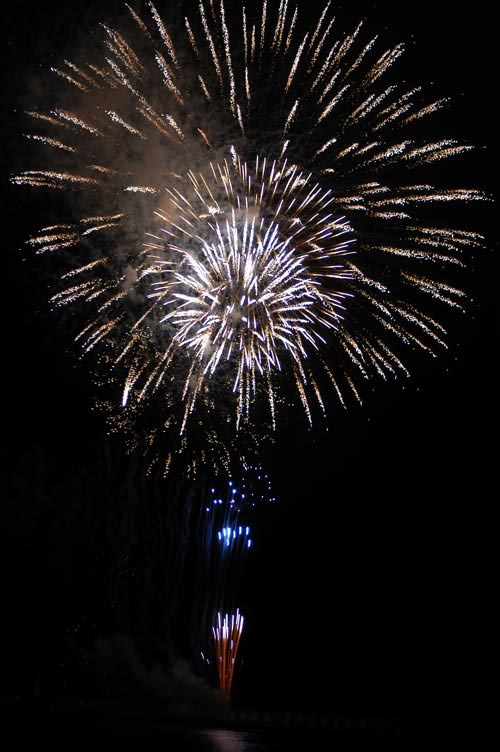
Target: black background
[{"x": 372, "y": 555}]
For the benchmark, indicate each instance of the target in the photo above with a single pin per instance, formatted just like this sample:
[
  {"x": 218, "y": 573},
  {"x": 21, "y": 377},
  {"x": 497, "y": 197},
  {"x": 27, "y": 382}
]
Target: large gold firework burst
[{"x": 218, "y": 172}]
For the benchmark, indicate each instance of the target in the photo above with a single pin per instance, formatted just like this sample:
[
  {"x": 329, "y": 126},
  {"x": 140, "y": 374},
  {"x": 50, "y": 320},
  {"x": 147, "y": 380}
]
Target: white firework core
[
  {"x": 251, "y": 270},
  {"x": 244, "y": 151}
]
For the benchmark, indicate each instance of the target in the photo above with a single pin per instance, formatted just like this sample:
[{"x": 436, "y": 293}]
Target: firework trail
[
  {"x": 225, "y": 531},
  {"x": 227, "y": 635},
  {"x": 247, "y": 212},
  {"x": 224, "y": 540}
]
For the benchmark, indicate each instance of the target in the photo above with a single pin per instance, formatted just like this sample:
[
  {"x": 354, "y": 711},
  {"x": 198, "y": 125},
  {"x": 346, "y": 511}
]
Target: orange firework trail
[{"x": 227, "y": 635}]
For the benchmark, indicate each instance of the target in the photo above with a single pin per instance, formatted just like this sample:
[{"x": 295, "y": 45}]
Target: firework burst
[
  {"x": 248, "y": 277},
  {"x": 243, "y": 214}
]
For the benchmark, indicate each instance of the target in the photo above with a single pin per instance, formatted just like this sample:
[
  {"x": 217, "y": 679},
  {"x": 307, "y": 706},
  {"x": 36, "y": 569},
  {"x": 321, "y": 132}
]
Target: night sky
[{"x": 380, "y": 510}]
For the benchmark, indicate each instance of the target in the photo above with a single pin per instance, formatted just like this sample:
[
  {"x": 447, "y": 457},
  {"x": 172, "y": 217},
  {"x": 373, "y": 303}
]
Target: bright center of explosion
[
  {"x": 246, "y": 290},
  {"x": 250, "y": 269}
]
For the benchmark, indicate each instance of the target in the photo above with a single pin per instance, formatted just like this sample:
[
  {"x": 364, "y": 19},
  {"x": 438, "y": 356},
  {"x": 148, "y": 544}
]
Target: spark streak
[{"x": 227, "y": 635}]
